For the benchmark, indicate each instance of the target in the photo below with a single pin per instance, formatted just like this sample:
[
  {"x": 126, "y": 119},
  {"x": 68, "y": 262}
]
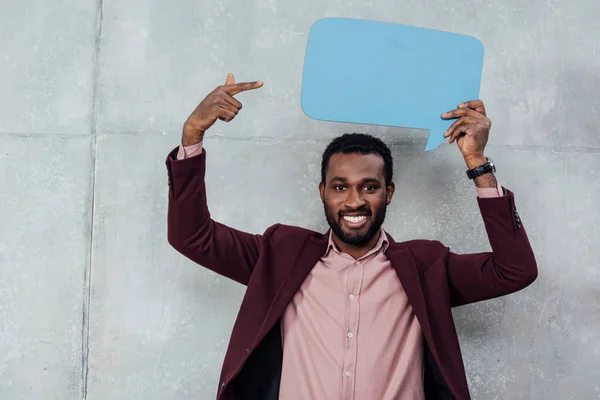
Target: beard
[{"x": 356, "y": 238}]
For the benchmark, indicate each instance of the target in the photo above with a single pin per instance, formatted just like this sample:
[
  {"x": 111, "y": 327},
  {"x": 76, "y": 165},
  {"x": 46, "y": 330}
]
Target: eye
[
  {"x": 338, "y": 188},
  {"x": 370, "y": 188}
]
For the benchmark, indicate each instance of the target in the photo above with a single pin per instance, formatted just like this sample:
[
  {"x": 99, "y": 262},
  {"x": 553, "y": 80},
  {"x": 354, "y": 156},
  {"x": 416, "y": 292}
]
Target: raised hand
[
  {"x": 471, "y": 130},
  {"x": 219, "y": 104}
]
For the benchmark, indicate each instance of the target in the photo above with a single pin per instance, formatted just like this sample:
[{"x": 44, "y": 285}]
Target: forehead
[{"x": 355, "y": 166}]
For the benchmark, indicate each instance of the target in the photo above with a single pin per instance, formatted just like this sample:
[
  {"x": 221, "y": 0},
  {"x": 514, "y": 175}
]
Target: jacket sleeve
[
  {"x": 508, "y": 268},
  {"x": 193, "y": 233}
]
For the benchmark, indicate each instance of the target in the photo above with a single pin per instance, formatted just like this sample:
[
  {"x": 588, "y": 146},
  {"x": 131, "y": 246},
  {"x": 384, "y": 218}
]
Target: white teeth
[{"x": 354, "y": 220}]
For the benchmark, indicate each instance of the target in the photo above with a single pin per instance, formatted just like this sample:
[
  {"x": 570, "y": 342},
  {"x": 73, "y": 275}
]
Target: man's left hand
[{"x": 471, "y": 130}]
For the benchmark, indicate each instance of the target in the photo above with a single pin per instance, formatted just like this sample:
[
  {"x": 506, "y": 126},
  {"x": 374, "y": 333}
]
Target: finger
[
  {"x": 225, "y": 115},
  {"x": 242, "y": 87},
  {"x": 476, "y": 105},
  {"x": 461, "y": 131},
  {"x": 459, "y": 122},
  {"x": 229, "y": 107},
  {"x": 460, "y": 112},
  {"x": 230, "y": 79},
  {"x": 459, "y": 127},
  {"x": 232, "y": 101}
]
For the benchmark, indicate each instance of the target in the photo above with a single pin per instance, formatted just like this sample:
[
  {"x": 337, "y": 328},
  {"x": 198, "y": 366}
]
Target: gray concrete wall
[{"x": 95, "y": 304}]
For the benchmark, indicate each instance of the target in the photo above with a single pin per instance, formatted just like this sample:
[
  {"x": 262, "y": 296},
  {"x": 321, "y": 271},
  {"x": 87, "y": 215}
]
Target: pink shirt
[{"x": 349, "y": 332}]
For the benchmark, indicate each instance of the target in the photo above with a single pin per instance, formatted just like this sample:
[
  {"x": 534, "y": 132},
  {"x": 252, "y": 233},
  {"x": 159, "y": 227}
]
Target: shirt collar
[{"x": 382, "y": 243}]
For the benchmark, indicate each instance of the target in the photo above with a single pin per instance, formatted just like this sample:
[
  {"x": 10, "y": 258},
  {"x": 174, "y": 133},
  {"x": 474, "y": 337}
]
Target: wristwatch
[{"x": 482, "y": 169}]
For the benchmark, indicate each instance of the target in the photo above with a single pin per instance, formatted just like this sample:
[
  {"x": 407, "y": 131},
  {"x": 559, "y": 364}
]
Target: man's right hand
[{"x": 219, "y": 104}]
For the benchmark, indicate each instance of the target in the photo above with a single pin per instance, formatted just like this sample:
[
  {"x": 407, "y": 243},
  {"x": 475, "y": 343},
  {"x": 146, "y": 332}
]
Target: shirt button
[
  {"x": 348, "y": 374},
  {"x": 357, "y": 262},
  {"x": 351, "y": 297},
  {"x": 350, "y": 334}
]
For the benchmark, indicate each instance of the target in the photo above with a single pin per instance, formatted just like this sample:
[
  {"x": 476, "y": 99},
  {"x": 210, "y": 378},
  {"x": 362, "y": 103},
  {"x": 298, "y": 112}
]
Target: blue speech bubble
[{"x": 379, "y": 73}]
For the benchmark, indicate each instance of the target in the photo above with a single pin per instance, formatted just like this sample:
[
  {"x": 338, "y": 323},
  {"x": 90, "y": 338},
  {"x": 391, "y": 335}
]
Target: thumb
[{"x": 230, "y": 79}]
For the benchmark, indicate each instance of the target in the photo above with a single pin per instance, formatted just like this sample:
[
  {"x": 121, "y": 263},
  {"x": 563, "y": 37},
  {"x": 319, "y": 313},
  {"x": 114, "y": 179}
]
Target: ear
[
  {"x": 390, "y": 193},
  {"x": 322, "y": 191}
]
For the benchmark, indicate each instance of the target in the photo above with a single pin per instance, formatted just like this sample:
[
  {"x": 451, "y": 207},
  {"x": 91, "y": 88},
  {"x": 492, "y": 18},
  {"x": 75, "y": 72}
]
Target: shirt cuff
[
  {"x": 486, "y": 193},
  {"x": 189, "y": 151}
]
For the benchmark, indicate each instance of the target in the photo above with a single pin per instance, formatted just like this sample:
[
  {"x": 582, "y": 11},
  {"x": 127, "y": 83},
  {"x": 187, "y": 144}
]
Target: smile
[{"x": 355, "y": 221}]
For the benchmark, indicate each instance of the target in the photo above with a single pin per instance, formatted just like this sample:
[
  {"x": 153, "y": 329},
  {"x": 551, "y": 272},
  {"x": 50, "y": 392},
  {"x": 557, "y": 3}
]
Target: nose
[{"x": 354, "y": 199}]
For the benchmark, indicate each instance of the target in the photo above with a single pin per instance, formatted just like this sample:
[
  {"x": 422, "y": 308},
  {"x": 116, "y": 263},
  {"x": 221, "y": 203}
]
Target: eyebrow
[{"x": 365, "y": 180}]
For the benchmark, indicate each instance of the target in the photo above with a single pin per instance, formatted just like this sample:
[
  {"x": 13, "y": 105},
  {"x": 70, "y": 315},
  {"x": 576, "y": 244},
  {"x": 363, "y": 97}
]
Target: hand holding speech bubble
[{"x": 379, "y": 73}]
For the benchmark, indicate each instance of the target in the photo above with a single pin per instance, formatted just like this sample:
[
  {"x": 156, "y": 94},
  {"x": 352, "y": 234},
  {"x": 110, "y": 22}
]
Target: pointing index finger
[{"x": 242, "y": 87}]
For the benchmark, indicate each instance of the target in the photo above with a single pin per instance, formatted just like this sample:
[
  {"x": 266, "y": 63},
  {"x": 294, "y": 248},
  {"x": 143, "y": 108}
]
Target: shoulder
[
  {"x": 427, "y": 252},
  {"x": 280, "y": 233}
]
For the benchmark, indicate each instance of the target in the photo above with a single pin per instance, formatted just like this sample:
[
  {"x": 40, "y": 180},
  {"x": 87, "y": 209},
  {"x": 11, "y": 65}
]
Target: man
[{"x": 350, "y": 314}]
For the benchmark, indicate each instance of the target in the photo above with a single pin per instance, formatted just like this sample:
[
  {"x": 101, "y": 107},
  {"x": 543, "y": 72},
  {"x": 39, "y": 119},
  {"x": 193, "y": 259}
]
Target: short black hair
[{"x": 359, "y": 143}]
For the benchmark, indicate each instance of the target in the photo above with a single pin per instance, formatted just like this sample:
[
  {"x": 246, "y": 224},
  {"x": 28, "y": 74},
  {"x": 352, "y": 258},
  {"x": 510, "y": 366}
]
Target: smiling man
[
  {"x": 356, "y": 187},
  {"x": 348, "y": 314}
]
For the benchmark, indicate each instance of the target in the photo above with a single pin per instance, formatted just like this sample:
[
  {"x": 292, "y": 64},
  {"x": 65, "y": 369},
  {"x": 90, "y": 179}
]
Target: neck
[{"x": 356, "y": 251}]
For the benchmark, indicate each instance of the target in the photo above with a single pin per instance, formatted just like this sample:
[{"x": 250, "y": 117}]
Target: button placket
[{"x": 353, "y": 288}]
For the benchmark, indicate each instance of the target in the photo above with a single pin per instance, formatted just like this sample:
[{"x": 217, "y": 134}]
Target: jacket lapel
[
  {"x": 309, "y": 252},
  {"x": 314, "y": 247},
  {"x": 403, "y": 262}
]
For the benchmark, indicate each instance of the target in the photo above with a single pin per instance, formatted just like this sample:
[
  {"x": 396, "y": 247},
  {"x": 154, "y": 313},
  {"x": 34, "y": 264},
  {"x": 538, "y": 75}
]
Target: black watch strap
[{"x": 482, "y": 169}]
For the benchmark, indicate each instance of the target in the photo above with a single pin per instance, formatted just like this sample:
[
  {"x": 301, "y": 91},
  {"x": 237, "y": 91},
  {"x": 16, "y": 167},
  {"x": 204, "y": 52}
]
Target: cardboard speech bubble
[{"x": 380, "y": 73}]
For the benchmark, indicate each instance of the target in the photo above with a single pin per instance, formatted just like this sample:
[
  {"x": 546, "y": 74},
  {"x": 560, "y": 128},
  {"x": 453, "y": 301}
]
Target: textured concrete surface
[
  {"x": 44, "y": 253},
  {"x": 94, "y": 304},
  {"x": 46, "y": 68}
]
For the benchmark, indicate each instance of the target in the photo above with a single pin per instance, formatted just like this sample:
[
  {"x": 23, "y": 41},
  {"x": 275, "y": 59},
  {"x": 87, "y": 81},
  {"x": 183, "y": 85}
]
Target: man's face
[{"x": 355, "y": 196}]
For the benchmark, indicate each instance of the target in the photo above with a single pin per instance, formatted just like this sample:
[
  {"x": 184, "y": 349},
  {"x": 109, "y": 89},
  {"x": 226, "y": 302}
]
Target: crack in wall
[{"x": 87, "y": 286}]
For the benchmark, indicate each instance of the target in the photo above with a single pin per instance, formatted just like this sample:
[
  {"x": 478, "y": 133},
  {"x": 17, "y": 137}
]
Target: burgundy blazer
[{"x": 274, "y": 264}]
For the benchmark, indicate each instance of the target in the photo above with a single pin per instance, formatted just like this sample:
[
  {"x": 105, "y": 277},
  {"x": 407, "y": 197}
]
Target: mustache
[{"x": 362, "y": 211}]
